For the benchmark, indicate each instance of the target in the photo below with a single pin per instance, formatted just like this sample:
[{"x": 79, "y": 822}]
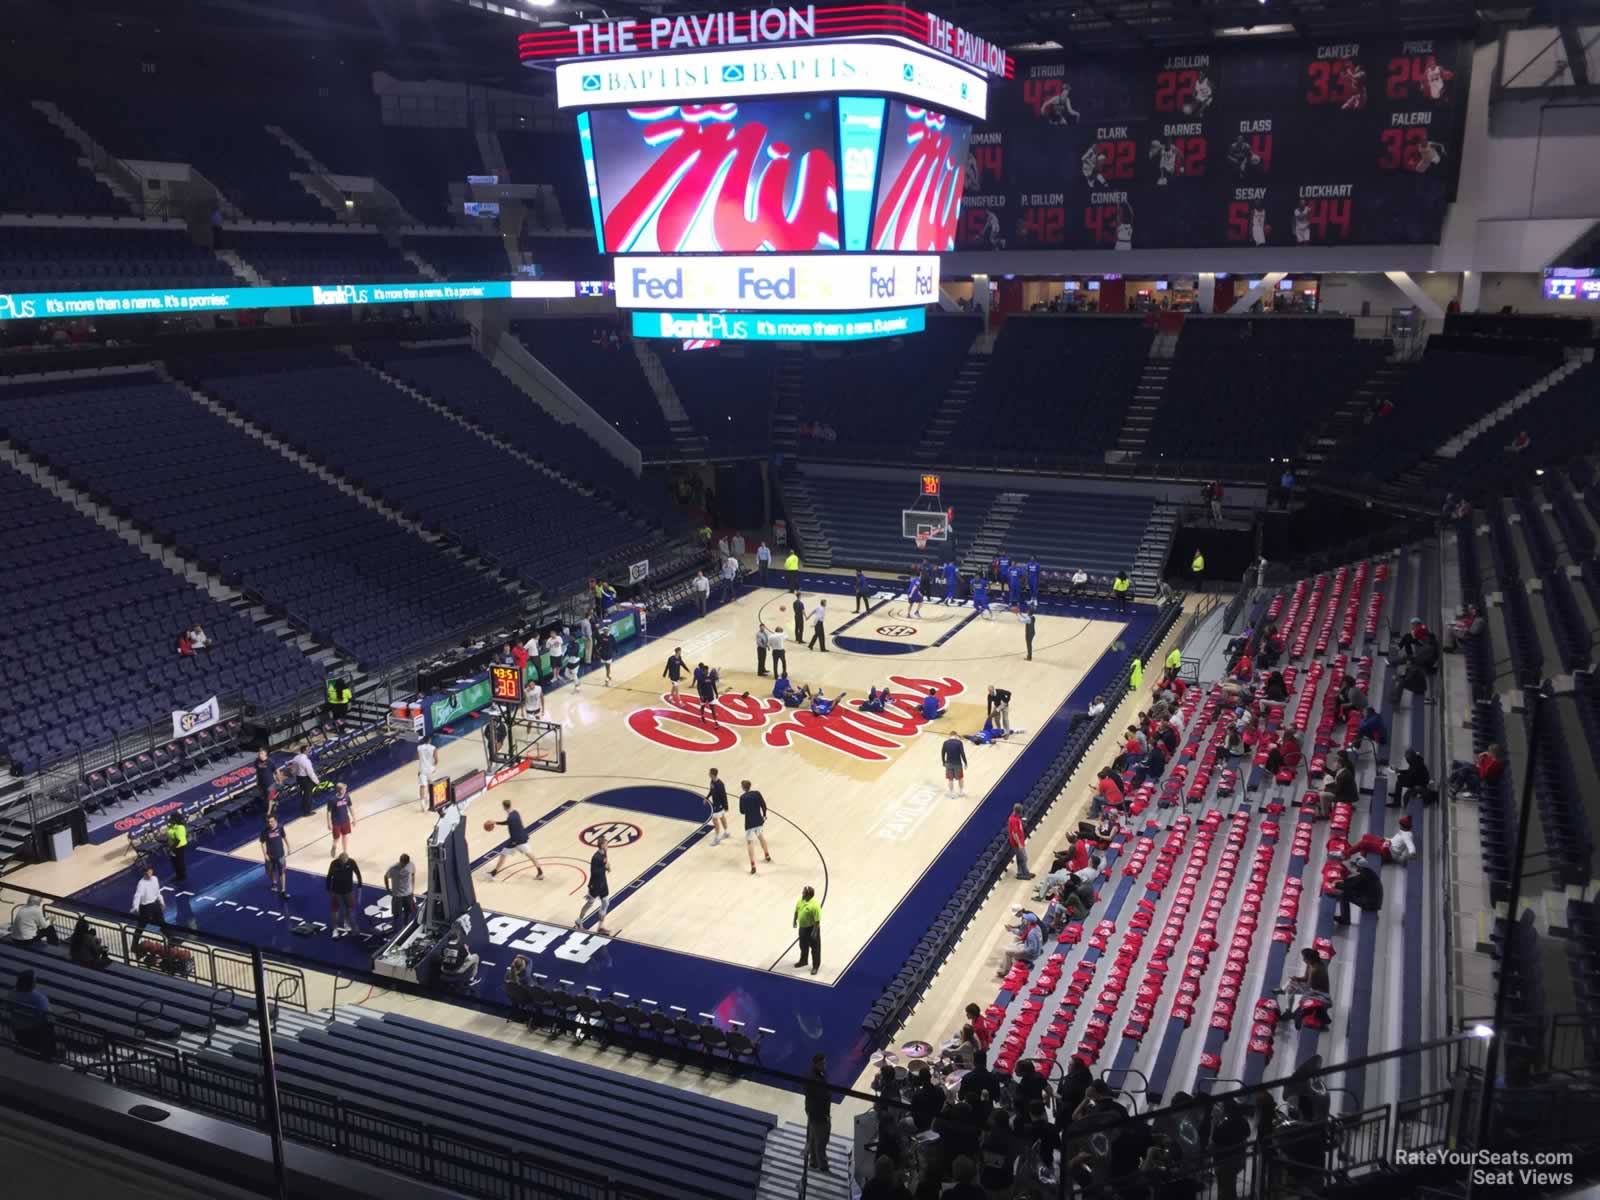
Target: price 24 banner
[{"x": 1289, "y": 144}]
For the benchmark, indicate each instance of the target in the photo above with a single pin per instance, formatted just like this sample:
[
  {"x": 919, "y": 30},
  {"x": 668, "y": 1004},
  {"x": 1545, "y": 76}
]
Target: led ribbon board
[
  {"x": 779, "y": 327},
  {"x": 28, "y": 306},
  {"x": 777, "y": 282},
  {"x": 773, "y": 71}
]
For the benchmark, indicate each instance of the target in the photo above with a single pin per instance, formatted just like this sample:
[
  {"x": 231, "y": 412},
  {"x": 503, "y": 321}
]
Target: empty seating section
[
  {"x": 128, "y": 259},
  {"x": 879, "y": 396},
  {"x": 227, "y": 143},
  {"x": 609, "y": 378},
  {"x": 554, "y": 159},
  {"x": 465, "y": 382},
  {"x": 89, "y": 630},
  {"x": 728, "y": 394},
  {"x": 333, "y": 257},
  {"x": 566, "y": 258},
  {"x": 415, "y": 459},
  {"x": 1443, "y": 394},
  {"x": 1559, "y": 421},
  {"x": 1067, "y": 530},
  {"x": 464, "y": 259},
  {"x": 1224, "y": 397},
  {"x": 40, "y": 172},
  {"x": 417, "y": 165},
  {"x": 333, "y": 566},
  {"x": 1056, "y": 388},
  {"x": 861, "y": 517}
]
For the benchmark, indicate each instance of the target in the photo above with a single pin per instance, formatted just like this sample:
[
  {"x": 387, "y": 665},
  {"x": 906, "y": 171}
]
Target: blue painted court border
[{"x": 228, "y": 896}]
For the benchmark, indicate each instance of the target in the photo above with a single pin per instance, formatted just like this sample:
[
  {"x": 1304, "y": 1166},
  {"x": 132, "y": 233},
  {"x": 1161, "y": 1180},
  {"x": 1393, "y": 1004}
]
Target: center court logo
[
  {"x": 867, "y": 737},
  {"x": 897, "y": 630}
]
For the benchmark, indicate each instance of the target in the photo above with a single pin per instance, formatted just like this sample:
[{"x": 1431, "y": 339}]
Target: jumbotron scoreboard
[{"x": 777, "y": 172}]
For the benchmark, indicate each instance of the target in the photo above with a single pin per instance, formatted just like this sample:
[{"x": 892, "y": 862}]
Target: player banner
[
  {"x": 192, "y": 720},
  {"x": 1286, "y": 144}
]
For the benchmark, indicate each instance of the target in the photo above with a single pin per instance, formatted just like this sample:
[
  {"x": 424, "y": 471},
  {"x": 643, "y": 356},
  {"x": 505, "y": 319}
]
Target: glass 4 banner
[{"x": 1288, "y": 144}]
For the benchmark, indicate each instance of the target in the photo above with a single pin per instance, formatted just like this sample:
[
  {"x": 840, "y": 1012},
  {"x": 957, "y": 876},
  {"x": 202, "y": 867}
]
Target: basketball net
[{"x": 922, "y": 541}]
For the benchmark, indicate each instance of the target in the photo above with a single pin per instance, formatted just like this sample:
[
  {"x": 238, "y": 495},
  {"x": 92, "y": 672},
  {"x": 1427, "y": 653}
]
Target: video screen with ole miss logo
[{"x": 764, "y": 176}]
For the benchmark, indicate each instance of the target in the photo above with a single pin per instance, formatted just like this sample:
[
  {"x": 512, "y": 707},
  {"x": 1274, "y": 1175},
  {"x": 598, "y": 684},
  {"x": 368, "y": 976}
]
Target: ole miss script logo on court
[{"x": 870, "y": 737}]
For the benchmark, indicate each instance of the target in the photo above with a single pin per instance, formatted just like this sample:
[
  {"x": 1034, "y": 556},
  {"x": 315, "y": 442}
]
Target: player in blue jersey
[
  {"x": 1033, "y": 579},
  {"x": 980, "y": 597},
  {"x": 1015, "y": 583},
  {"x": 914, "y": 597},
  {"x": 952, "y": 580}
]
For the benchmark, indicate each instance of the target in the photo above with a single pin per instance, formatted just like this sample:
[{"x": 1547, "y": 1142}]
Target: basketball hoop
[{"x": 922, "y": 541}]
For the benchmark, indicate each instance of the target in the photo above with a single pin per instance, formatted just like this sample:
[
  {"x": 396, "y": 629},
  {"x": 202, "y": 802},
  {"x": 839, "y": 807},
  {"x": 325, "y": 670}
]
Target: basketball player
[
  {"x": 516, "y": 841},
  {"x": 1058, "y": 109},
  {"x": 1425, "y": 157},
  {"x": 274, "y": 854},
  {"x": 427, "y": 760},
  {"x": 1166, "y": 156},
  {"x": 980, "y": 597},
  {"x": 675, "y": 668},
  {"x": 1302, "y": 224},
  {"x": 717, "y": 802},
  {"x": 1033, "y": 579},
  {"x": 1124, "y": 225},
  {"x": 1242, "y": 155},
  {"x": 1258, "y": 225},
  {"x": 1434, "y": 78},
  {"x": 605, "y": 648},
  {"x": 1200, "y": 99},
  {"x": 989, "y": 238},
  {"x": 952, "y": 581},
  {"x": 969, "y": 174},
  {"x": 341, "y": 819},
  {"x": 1353, "y": 78},
  {"x": 574, "y": 658},
  {"x": 1093, "y": 163},
  {"x": 954, "y": 756},
  {"x": 753, "y": 806},
  {"x": 800, "y": 613},
  {"x": 705, "y": 686},
  {"x": 599, "y": 896},
  {"x": 914, "y": 597},
  {"x": 533, "y": 701}
]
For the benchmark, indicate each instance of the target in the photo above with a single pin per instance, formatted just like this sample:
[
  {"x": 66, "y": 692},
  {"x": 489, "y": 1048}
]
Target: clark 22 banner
[{"x": 1285, "y": 144}]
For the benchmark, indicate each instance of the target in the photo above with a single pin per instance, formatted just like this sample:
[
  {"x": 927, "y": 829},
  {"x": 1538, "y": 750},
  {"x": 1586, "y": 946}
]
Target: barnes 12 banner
[{"x": 1281, "y": 144}]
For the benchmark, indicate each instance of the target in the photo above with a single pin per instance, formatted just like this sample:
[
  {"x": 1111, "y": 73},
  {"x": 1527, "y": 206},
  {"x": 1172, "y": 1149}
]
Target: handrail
[{"x": 212, "y": 1008}]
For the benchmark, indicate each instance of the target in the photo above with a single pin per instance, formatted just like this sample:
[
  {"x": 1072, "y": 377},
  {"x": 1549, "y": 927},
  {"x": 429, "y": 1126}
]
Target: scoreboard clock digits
[
  {"x": 505, "y": 684},
  {"x": 930, "y": 485}
]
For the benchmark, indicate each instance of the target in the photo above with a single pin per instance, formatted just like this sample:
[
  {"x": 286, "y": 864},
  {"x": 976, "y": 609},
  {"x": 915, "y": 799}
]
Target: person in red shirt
[
  {"x": 1017, "y": 837},
  {"x": 1486, "y": 768},
  {"x": 1108, "y": 793},
  {"x": 982, "y": 1027},
  {"x": 519, "y": 655}
]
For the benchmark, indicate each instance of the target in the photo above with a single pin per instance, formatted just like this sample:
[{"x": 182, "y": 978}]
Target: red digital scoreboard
[
  {"x": 505, "y": 684},
  {"x": 930, "y": 486}
]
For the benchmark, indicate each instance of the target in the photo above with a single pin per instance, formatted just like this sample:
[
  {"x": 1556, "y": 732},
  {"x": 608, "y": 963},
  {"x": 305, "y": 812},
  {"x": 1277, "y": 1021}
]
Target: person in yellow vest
[
  {"x": 1136, "y": 679},
  {"x": 808, "y": 927},
  {"x": 791, "y": 569},
  {"x": 1198, "y": 564},
  {"x": 338, "y": 698},
  {"x": 1174, "y": 659},
  {"x": 177, "y": 845},
  {"x": 1119, "y": 589}
]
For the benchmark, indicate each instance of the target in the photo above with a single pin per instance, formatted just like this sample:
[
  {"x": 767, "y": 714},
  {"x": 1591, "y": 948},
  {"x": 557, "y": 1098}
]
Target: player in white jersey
[
  {"x": 1302, "y": 224},
  {"x": 1058, "y": 109},
  {"x": 1354, "y": 77},
  {"x": 1124, "y": 226},
  {"x": 990, "y": 237},
  {"x": 1434, "y": 78},
  {"x": 1425, "y": 157},
  {"x": 1091, "y": 162},
  {"x": 1166, "y": 155},
  {"x": 1200, "y": 99},
  {"x": 1258, "y": 225}
]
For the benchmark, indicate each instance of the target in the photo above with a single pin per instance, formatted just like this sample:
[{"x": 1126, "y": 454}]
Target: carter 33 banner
[{"x": 1282, "y": 144}]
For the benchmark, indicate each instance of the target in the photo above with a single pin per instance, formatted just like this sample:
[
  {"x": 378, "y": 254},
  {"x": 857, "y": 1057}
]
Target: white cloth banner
[{"x": 201, "y": 716}]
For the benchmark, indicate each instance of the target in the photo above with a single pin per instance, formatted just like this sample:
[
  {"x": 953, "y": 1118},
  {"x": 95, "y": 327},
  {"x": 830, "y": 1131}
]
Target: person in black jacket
[
  {"x": 799, "y": 619},
  {"x": 819, "y": 1115},
  {"x": 1360, "y": 887},
  {"x": 927, "y": 1100},
  {"x": 344, "y": 876},
  {"x": 1230, "y": 1133},
  {"x": 1411, "y": 781}
]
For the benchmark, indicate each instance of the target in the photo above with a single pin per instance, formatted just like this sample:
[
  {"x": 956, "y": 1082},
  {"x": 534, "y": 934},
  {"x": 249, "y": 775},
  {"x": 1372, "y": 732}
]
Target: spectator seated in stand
[
  {"x": 458, "y": 966},
  {"x": 1467, "y": 778},
  {"x": 1276, "y": 691},
  {"x": 1412, "y": 780},
  {"x": 1360, "y": 887},
  {"x": 29, "y": 924},
  {"x": 1469, "y": 623},
  {"x": 1371, "y": 728},
  {"x": 86, "y": 949},
  {"x": 28, "y": 1011},
  {"x": 1029, "y": 944}
]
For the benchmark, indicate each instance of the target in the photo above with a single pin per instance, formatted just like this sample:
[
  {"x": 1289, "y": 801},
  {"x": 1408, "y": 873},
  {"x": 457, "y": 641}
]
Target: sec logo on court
[
  {"x": 612, "y": 833},
  {"x": 897, "y": 630}
]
